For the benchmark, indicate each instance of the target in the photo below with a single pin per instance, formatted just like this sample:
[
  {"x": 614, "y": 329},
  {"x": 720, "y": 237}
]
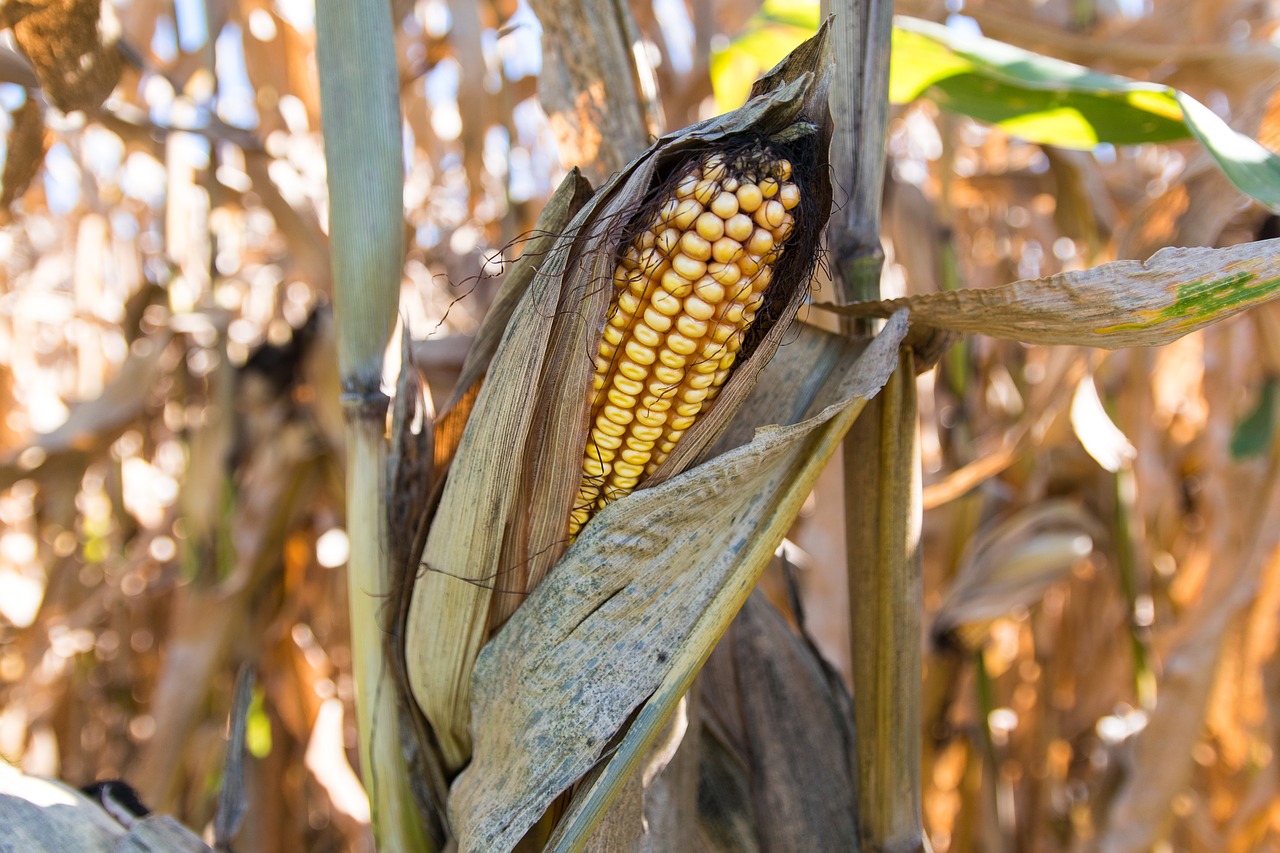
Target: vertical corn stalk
[
  {"x": 359, "y": 96},
  {"x": 881, "y": 457}
]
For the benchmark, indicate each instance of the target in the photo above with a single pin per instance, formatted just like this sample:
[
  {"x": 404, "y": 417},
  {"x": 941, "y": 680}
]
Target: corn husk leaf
[
  {"x": 1121, "y": 304},
  {"x": 489, "y": 542},
  {"x": 574, "y": 191},
  {"x": 787, "y": 717},
  {"x": 631, "y": 612}
]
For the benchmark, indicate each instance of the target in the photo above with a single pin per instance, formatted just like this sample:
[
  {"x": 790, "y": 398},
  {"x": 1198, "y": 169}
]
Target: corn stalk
[
  {"x": 881, "y": 458},
  {"x": 362, "y": 129}
]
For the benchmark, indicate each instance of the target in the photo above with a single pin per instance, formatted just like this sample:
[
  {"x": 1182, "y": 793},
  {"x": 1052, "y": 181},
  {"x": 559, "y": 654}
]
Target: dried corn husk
[
  {"x": 633, "y": 609},
  {"x": 500, "y": 522}
]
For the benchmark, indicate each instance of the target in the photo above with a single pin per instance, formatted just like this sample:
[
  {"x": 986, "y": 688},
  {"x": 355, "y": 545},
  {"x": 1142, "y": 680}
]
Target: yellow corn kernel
[
  {"x": 770, "y": 214},
  {"x": 706, "y": 190},
  {"x": 749, "y": 265},
  {"x": 700, "y": 380},
  {"x": 686, "y": 212},
  {"x": 656, "y": 402},
  {"x": 691, "y": 328},
  {"x": 656, "y": 320},
  {"x": 714, "y": 168},
  {"x": 640, "y": 353},
  {"x": 739, "y": 227},
  {"x": 612, "y": 442},
  {"x": 619, "y": 399},
  {"x": 761, "y": 242},
  {"x": 667, "y": 373},
  {"x": 708, "y": 289},
  {"x": 667, "y": 241},
  {"x": 681, "y": 345},
  {"x": 695, "y": 246},
  {"x": 603, "y": 455},
  {"x": 635, "y": 457},
  {"x": 725, "y": 274},
  {"x": 621, "y": 417},
  {"x": 789, "y": 195},
  {"x": 725, "y": 205},
  {"x": 650, "y": 417},
  {"x": 749, "y": 198},
  {"x": 697, "y": 309},
  {"x": 631, "y": 370},
  {"x": 608, "y": 427},
  {"x": 647, "y": 433},
  {"x": 675, "y": 285},
  {"x": 626, "y": 469},
  {"x": 647, "y": 336},
  {"x": 689, "y": 268},
  {"x": 726, "y": 250},
  {"x": 710, "y": 226},
  {"x": 665, "y": 302}
]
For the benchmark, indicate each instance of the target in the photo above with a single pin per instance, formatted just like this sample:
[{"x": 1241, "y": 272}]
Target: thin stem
[{"x": 360, "y": 106}]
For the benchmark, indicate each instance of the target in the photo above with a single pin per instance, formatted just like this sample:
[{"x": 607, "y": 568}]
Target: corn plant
[{"x": 630, "y": 445}]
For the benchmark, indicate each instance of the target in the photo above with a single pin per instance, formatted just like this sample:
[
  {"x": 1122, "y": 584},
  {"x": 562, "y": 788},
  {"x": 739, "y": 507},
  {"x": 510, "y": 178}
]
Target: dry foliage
[{"x": 1102, "y": 530}]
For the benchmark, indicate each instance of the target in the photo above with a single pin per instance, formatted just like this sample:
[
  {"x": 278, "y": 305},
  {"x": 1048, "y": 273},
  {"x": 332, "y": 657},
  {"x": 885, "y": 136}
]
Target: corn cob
[{"x": 686, "y": 290}]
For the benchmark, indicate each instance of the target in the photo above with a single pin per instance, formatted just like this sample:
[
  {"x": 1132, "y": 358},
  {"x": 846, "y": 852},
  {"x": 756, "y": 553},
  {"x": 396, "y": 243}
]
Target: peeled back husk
[{"x": 500, "y": 523}]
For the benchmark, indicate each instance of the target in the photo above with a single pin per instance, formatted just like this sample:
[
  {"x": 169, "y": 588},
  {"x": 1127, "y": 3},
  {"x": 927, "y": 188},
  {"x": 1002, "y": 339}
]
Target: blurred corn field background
[{"x": 1101, "y": 529}]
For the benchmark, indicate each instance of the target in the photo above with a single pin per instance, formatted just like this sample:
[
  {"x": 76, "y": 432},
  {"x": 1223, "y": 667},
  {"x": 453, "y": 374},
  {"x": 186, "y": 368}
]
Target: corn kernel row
[{"x": 686, "y": 290}]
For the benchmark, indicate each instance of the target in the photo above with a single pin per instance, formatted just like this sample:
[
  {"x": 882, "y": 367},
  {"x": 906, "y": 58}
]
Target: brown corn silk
[{"x": 500, "y": 523}]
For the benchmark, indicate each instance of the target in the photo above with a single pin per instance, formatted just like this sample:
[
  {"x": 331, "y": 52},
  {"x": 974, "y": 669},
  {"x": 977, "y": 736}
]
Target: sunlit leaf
[
  {"x": 1029, "y": 95},
  {"x": 1121, "y": 304},
  {"x": 1046, "y": 100}
]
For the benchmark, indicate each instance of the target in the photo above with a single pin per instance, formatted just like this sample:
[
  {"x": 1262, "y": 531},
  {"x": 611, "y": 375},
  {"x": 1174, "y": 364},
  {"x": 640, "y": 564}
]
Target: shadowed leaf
[{"x": 790, "y": 722}]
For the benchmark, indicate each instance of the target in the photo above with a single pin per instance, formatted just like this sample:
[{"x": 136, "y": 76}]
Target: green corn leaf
[{"x": 1031, "y": 96}]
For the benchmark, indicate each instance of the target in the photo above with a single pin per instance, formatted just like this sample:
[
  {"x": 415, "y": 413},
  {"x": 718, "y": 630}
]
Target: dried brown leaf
[
  {"x": 791, "y": 724},
  {"x": 43, "y": 816},
  {"x": 1011, "y": 564},
  {"x": 1121, "y": 304},
  {"x": 64, "y": 42},
  {"x": 27, "y": 146}
]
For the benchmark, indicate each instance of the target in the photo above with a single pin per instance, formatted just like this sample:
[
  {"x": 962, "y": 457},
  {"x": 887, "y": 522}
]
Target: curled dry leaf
[
  {"x": 1121, "y": 304},
  {"x": 1010, "y": 565},
  {"x": 64, "y": 40},
  {"x": 503, "y": 514}
]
